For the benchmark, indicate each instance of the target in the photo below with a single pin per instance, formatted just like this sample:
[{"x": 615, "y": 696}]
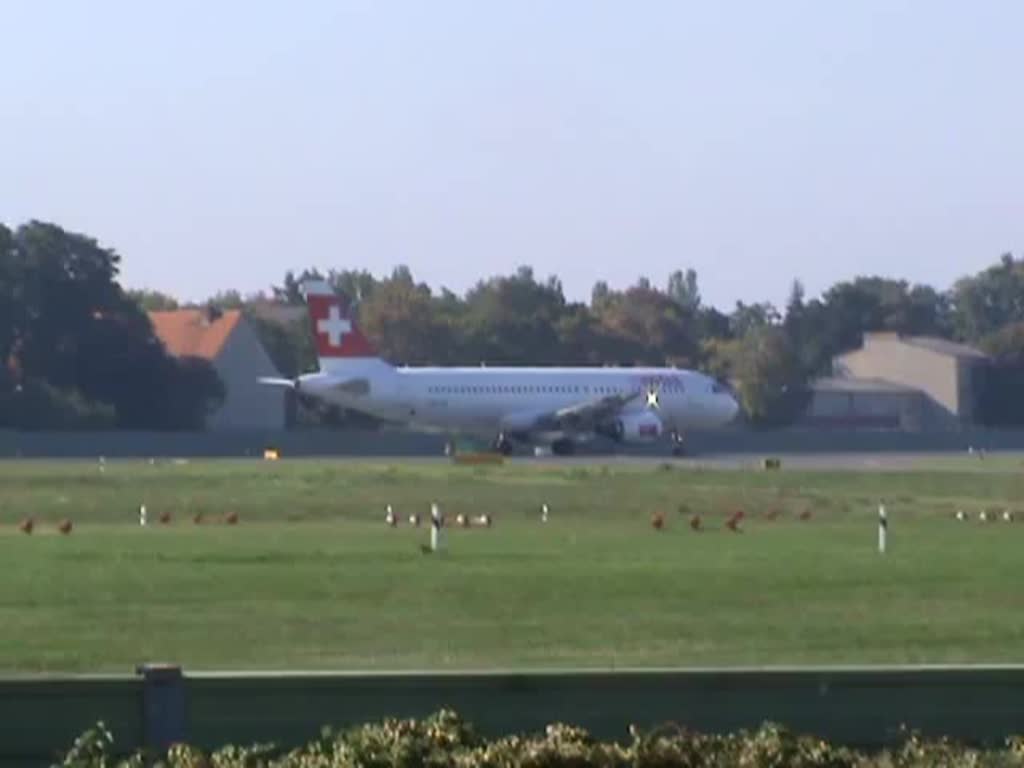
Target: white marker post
[
  {"x": 436, "y": 529},
  {"x": 142, "y": 515},
  {"x": 883, "y": 528},
  {"x": 543, "y": 513}
]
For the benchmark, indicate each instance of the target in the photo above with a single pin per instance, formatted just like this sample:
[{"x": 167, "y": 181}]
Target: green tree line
[
  {"x": 79, "y": 349},
  {"x": 769, "y": 353}
]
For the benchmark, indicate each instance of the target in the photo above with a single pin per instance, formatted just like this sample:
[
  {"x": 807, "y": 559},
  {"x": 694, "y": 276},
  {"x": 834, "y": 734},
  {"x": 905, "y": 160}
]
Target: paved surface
[
  {"x": 879, "y": 461},
  {"x": 822, "y": 461}
]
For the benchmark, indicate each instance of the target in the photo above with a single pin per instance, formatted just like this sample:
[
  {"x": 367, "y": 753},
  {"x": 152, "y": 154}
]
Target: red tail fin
[{"x": 335, "y": 332}]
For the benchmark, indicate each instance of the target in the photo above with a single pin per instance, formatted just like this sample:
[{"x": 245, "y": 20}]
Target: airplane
[{"x": 543, "y": 407}]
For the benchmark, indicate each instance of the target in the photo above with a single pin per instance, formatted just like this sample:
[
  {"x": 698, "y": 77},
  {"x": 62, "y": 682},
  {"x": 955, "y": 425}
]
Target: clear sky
[{"x": 216, "y": 144}]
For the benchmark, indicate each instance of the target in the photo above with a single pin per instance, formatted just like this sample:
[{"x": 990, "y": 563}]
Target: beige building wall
[
  {"x": 944, "y": 378},
  {"x": 248, "y": 404}
]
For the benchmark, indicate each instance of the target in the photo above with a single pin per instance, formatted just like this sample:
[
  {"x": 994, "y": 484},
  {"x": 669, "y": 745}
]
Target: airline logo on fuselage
[{"x": 657, "y": 381}]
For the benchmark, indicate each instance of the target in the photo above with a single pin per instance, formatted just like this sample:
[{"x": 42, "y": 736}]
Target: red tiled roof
[{"x": 191, "y": 332}]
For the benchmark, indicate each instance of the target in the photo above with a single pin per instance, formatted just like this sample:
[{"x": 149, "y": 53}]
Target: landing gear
[
  {"x": 563, "y": 447},
  {"x": 678, "y": 447},
  {"x": 503, "y": 445},
  {"x": 449, "y": 448}
]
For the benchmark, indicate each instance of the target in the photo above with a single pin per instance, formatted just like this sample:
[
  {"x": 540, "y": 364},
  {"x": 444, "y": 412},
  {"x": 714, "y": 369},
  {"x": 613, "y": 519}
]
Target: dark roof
[
  {"x": 932, "y": 343},
  {"x": 944, "y": 347},
  {"x": 278, "y": 313}
]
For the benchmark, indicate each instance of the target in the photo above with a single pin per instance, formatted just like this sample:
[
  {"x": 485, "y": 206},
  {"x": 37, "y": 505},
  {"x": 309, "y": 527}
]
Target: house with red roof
[{"x": 227, "y": 340}]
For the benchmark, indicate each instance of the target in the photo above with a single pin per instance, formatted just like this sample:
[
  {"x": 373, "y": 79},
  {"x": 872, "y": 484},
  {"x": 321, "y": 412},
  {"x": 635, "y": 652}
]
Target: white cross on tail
[{"x": 334, "y": 325}]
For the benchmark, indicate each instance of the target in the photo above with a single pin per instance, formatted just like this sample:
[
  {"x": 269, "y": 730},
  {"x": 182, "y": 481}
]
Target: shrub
[{"x": 444, "y": 739}]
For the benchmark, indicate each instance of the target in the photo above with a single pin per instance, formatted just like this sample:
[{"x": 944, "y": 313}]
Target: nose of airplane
[
  {"x": 730, "y": 408},
  {"x": 733, "y": 409}
]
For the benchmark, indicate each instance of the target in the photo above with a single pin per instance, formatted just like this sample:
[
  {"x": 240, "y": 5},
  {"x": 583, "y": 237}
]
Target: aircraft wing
[
  {"x": 585, "y": 416},
  {"x": 579, "y": 417}
]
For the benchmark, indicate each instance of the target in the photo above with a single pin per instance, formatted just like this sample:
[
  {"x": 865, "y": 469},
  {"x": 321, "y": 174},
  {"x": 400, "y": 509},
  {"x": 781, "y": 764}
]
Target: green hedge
[{"x": 445, "y": 740}]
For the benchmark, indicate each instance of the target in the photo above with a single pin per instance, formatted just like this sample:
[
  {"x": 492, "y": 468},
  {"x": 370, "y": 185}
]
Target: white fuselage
[{"x": 503, "y": 400}]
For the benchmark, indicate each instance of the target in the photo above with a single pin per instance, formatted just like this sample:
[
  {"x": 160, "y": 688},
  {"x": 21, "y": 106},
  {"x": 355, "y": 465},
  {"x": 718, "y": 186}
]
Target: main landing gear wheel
[{"x": 678, "y": 447}]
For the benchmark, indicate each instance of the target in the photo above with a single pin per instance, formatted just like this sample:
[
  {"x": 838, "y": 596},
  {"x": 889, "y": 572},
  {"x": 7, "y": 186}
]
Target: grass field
[{"x": 311, "y": 577}]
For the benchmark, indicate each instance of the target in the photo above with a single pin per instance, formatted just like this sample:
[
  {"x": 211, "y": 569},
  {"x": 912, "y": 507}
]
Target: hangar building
[
  {"x": 230, "y": 343},
  {"x": 893, "y": 381}
]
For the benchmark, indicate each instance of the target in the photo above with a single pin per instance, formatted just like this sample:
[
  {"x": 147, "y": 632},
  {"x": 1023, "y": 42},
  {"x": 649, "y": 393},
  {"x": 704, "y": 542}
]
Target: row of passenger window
[
  {"x": 530, "y": 389},
  {"x": 515, "y": 389}
]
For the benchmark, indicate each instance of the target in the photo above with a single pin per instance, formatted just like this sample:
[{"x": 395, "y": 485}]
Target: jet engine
[{"x": 635, "y": 428}]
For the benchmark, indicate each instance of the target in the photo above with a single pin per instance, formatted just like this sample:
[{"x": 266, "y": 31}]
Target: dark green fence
[
  {"x": 40, "y": 718},
  {"x": 364, "y": 443},
  {"x": 859, "y": 707}
]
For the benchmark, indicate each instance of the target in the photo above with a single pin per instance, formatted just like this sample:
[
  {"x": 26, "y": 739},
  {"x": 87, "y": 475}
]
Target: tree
[
  {"x": 683, "y": 290},
  {"x": 66, "y": 285},
  {"x": 190, "y": 390},
  {"x": 747, "y": 317},
  {"x": 984, "y": 303},
  {"x": 720, "y": 356},
  {"x": 10, "y": 301},
  {"x": 1006, "y": 345},
  {"x": 290, "y": 290},
  {"x": 356, "y": 285},
  {"x": 35, "y": 404},
  {"x": 289, "y": 343},
  {"x": 402, "y": 320},
  {"x": 642, "y": 325},
  {"x": 795, "y": 303},
  {"x": 77, "y": 340},
  {"x": 581, "y": 338},
  {"x": 710, "y": 323},
  {"x": 823, "y": 328},
  {"x": 513, "y": 320},
  {"x": 772, "y": 383},
  {"x": 229, "y": 299},
  {"x": 153, "y": 301}
]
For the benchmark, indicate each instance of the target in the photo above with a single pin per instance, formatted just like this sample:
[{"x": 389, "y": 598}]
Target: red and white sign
[{"x": 336, "y": 334}]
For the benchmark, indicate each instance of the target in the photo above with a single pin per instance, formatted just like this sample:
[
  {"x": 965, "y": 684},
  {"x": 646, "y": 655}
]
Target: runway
[
  {"x": 824, "y": 461},
  {"x": 868, "y": 462},
  {"x": 862, "y": 461}
]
